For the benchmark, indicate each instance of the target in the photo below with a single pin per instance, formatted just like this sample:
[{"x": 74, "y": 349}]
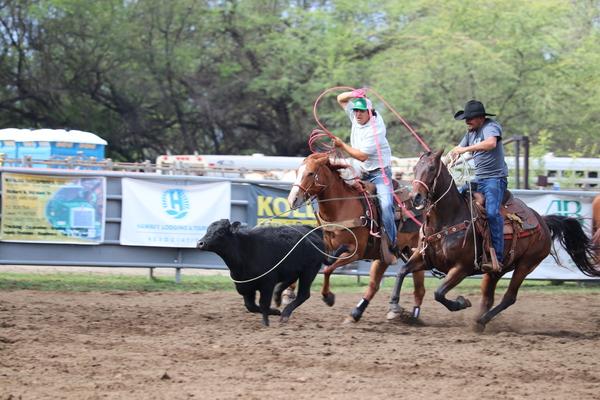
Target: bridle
[
  {"x": 315, "y": 182},
  {"x": 467, "y": 223},
  {"x": 430, "y": 192}
]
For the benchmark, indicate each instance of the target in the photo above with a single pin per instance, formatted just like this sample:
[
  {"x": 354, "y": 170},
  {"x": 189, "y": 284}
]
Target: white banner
[
  {"x": 162, "y": 215},
  {"x": 570, "y": 204}
]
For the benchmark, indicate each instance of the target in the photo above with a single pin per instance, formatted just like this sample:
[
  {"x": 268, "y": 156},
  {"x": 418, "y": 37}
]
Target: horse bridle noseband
[{"x": 314, "y": 183}]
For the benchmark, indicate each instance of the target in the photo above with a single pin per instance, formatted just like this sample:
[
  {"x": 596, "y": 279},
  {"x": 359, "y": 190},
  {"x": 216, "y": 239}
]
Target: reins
[
  {"x": 455, "y": 228},
  {"x": 355, "y": 222}
]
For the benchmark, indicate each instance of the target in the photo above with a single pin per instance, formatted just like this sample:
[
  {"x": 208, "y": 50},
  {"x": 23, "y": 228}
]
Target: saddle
[
  {"x": 402, "y": 192},
  {"x": 519, "y": 221},
  {"x": 400, "y": 210},
  {"x": 515, "y": 212}
]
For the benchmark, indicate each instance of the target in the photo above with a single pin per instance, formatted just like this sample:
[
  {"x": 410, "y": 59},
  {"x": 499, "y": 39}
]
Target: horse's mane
[
  {"x": 348, "y": 172},
  {"x": 343, "y": 167}
]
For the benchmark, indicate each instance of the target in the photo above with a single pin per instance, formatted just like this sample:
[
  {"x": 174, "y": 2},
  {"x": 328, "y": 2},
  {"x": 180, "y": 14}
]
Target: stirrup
[
  {"x": 493, "y": 265},
  {"x": 489, "y": 267}
]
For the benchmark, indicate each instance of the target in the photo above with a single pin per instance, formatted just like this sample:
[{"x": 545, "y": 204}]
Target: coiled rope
[{"x": 318, "y": 138}]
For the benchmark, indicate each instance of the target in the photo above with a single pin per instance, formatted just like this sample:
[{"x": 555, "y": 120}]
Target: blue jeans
[
  {"x": 386, "y": 200},
  {"x": 493, "y": 189}
]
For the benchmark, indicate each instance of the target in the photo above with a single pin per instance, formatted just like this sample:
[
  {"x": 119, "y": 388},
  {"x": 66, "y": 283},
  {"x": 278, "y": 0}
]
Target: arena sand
[{"x": 129, "y": 345}]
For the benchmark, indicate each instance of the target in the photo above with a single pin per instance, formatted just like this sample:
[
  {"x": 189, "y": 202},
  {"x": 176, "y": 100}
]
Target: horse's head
[
  {"x": 426, "y": 171},
  {"x": 310, "y": 180}
]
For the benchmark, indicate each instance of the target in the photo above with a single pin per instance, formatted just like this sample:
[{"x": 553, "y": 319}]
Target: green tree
[{"x": 240, "y": 77}]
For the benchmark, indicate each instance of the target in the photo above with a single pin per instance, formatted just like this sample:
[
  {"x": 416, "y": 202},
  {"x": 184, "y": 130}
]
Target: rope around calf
[{"x": 296, "y": 245}]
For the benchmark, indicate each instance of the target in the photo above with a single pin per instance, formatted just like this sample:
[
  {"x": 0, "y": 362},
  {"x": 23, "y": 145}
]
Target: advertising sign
[
  {"x": 160, "y": 215},
  {"x": 53, "y": 209},
  {"x": 270, "y": 205},
  {"x": 560, "y": 203}
]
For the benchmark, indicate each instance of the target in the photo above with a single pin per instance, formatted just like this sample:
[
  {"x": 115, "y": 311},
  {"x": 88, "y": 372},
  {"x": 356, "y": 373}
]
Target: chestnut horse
[
  {"x": 447, "y": 244},
  {"x": 341, "y": 204}
]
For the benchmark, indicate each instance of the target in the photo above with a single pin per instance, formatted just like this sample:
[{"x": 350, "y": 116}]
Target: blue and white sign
[
  {"x": 160, "y": 215},
  {"x": 176, "y": 202}
]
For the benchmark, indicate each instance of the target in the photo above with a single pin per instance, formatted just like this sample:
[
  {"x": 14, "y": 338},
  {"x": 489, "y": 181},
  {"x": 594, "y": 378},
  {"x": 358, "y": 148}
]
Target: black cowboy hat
[{"x": 473, "y": 109}]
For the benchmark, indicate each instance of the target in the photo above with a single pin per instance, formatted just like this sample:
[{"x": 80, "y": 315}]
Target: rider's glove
[{"x": 359, "y": 93}]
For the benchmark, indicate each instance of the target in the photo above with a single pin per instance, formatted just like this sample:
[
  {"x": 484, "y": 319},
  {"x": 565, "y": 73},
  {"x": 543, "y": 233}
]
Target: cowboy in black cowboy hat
[
  {"x": 484, "y": 140},
  {"x": 473, "y": 109}
]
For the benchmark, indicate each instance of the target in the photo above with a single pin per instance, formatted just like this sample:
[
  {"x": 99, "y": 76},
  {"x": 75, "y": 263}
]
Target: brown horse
[
  {"x": 346, "y": 221},
  {"x": 447, "y": 244}
]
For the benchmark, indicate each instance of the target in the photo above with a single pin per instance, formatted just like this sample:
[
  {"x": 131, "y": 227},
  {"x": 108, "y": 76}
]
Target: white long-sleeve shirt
[{"x": 366, "y": 138}]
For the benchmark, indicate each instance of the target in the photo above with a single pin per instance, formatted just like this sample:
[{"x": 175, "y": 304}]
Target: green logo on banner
[{"x": 568, "y": 208}]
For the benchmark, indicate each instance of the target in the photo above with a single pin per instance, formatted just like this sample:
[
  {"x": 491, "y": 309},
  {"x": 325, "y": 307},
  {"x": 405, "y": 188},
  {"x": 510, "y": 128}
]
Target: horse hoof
[
  {"x": 479, "y": 327},
  {"x": 405, "y": 317},
  {"x": 329, "y": 299},
  {"x": 349, "y": 320},
  {"x": 394, "y": 312},
  {"x": 284, "y": 320},
  {"x": 393, "y": 315},
  {"x": 464, "y": 303},
  {"x": 356, "y": 314}
]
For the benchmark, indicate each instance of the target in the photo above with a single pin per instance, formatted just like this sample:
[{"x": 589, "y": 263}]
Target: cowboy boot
[{"x": 387, "y": 256}]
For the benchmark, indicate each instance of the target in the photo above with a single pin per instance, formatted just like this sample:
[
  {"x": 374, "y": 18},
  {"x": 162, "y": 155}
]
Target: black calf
[{"x": 250, "y": 253}]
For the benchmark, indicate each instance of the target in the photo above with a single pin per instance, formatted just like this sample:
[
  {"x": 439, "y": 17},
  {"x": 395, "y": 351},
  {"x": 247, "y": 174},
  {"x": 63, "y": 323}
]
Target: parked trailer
[{"x": 51, "y": 144}]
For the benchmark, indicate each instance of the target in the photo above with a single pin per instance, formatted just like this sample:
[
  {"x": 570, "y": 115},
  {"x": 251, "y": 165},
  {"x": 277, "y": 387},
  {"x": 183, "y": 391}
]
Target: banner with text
[
  {"x": 53, "y": 209},
  {"x": 556, "y": 202},
  {"x": 160, "y": 215},
  {"x": 269, "y": 205}
]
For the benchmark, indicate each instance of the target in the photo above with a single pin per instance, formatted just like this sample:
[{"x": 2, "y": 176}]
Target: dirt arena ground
[{"x": 127, "y": 345}]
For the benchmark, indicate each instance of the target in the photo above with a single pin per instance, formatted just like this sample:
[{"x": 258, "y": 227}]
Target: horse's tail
[{"x": 571, "y": 236}]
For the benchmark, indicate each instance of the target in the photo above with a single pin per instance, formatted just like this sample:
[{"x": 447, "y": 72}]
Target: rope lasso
[
  {"x": 296, "y": 245},
  {"x": 318, "y": 135},
  {"x": 466, "y": 172}
]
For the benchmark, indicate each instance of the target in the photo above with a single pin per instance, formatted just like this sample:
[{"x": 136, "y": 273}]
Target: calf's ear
[{"x": 235, "y": 226}]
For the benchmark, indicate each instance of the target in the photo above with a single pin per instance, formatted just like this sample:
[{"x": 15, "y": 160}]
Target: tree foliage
[{"x": 237, "y": 77}]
